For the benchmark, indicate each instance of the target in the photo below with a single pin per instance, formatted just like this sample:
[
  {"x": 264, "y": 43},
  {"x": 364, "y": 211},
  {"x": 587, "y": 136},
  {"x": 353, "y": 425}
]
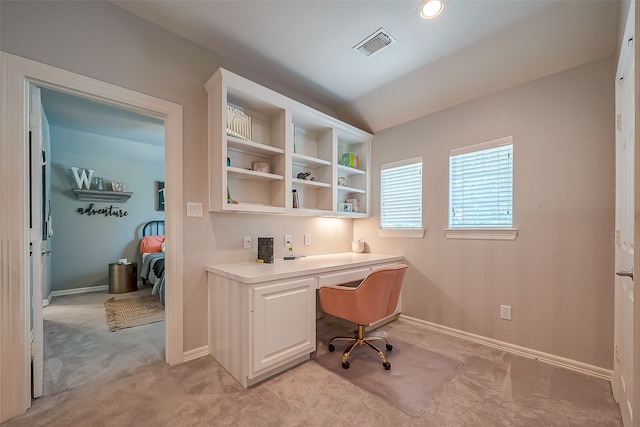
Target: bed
[{"x": 152, "y": 251}]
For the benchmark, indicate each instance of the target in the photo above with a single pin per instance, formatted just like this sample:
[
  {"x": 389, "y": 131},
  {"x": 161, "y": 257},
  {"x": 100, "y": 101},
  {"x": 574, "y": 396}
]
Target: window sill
[
  {"x": 409, "y": 233},
  {"x": 481, "y": 233}
]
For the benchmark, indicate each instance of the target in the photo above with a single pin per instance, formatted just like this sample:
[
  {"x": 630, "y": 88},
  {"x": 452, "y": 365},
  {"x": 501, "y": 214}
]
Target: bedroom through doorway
[{"x": 87, "y": 233}]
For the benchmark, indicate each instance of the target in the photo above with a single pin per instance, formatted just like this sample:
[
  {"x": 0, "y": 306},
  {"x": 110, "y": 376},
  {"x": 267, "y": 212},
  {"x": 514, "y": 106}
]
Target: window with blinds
[
  {"x": 401, "y": 194},
  {"x": 481, "y": 185}
]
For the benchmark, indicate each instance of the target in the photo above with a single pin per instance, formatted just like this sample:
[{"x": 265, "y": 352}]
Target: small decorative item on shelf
[
  {"x": 261, "y": 167},
  {"x": 343, "y": 182},
  {"x": 238, "y": 123},
  {"x": 351, "y": 160},
  {"x": 345, "y": 207},
  {"x": 355, "y": 203},
  {"x": 304, "y": 175},
  {"x": 229, "y": 199},
  {"x": 97, "y": 183},
  {"x": 295, "y": 199},
  {"x": 117, "y": 186}
]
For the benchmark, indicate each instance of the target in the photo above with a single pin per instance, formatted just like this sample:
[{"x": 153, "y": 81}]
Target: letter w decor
[{"x": 82, "y": 178}]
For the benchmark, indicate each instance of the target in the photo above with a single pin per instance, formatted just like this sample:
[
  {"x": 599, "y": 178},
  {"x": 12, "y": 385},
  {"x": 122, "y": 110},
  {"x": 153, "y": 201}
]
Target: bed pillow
[{"x": 151, "y": 244}]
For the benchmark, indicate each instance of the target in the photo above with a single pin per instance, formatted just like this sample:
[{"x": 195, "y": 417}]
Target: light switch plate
[{"x": 194, "y": 209}]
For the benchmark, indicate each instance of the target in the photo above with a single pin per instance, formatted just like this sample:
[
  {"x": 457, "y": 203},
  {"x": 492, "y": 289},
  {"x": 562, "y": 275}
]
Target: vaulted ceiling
[{"x": 475, "y": 47}]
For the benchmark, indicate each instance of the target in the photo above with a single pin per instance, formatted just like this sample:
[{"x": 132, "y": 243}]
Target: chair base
[{"x": 357, "y": 340}]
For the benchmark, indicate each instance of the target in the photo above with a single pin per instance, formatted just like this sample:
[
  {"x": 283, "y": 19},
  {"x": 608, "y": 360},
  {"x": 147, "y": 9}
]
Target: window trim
[
  {"x": 487, "y": 233},
  {"x": 507, "y": 232}
]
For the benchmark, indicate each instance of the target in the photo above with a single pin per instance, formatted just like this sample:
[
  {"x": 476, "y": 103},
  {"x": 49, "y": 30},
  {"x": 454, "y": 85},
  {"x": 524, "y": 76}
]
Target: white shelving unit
[{"x": 302, "y": 147}]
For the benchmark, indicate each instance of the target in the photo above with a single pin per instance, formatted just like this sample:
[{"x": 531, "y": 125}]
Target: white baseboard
[
  {"x": 195, "y": 353},
  {"x": 46, "y": 302},
  {"x": 551, "y": 359},
  {"x": 63, "y": 292}
]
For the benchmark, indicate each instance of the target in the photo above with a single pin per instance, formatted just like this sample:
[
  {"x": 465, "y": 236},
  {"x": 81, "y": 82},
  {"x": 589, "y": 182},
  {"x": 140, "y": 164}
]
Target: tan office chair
[{"x": 375, "y": 298}]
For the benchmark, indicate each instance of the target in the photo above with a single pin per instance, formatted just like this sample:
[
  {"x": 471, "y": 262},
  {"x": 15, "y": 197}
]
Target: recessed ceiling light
[{"x": 429, "y": 9}]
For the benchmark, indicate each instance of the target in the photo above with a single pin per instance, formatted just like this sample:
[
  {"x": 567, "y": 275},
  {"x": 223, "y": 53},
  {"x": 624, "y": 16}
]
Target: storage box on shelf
[{"x": 263, "y": 145}]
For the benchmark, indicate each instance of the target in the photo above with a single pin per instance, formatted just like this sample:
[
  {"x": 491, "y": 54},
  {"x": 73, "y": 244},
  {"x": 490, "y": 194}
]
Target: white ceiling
[
  {"x": 85, "y": 115},
  {"x": 474, "y": 48}
]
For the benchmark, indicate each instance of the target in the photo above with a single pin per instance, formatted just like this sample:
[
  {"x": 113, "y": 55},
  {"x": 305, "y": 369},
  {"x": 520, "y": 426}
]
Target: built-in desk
[{"x": 262, "y": 316}]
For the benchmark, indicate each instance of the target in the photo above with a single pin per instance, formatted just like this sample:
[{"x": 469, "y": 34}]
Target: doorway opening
[
  {"x": 16, "y": 348},
  {"x": 125, "y": 151}
]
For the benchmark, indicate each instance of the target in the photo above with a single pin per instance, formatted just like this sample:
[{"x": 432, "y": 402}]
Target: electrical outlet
[
  {"x": 307, "y": 239},
  {"x": 287, "y": 240},
  {"x": 247, "y": 242},
  {"x": 505, "y": 312}
]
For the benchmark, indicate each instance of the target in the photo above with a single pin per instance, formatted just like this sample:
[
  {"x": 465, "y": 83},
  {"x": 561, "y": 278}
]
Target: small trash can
[{"x": 123, "y": 278}]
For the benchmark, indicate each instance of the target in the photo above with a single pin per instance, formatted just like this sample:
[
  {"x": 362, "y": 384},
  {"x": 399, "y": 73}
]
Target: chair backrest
[{"x": 377, "y": 295}]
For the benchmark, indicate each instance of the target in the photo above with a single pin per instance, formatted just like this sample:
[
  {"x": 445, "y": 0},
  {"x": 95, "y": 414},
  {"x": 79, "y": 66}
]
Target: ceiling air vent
[{"x": 376, "y": 41}]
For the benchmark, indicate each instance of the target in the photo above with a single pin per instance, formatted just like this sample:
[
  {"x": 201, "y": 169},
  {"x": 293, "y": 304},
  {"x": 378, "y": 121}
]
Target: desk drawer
[{"x": 343, "y": 277}]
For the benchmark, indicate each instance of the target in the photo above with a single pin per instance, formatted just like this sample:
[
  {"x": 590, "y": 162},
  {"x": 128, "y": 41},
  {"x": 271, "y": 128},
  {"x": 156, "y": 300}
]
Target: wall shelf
[
  {"x": 102, "y": 196},
  {"x": 292, "y": 139}
]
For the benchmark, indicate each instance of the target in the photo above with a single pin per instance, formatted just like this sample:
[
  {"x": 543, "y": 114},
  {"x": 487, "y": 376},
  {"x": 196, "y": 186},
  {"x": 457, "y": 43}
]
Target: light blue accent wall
[{"x": 83, "y": 245}]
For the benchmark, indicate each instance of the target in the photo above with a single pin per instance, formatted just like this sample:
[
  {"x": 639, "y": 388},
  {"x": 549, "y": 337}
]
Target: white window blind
[
  {"x": 401, "y": 194},
  {"x": 481, "y": 185}
]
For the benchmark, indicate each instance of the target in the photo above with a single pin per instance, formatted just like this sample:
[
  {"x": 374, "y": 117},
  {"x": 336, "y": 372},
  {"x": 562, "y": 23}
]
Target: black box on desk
[{"x": 265, "y": 249}]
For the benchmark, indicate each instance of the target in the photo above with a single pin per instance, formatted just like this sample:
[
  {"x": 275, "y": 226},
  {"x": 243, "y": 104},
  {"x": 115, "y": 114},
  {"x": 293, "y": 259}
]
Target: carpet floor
[{"x": 491, "y": 388}]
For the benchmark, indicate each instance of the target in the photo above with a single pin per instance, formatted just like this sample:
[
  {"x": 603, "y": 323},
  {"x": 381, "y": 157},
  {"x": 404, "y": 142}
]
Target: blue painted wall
[{"x": 83, "y": 245}]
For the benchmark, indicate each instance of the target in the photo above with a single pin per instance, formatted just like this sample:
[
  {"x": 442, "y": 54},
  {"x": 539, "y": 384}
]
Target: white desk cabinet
[
  {"x": 262, "y": 316},
  {"x": 283, "y": 323}
]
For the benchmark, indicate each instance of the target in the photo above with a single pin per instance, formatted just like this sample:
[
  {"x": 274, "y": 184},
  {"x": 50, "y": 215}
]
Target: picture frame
[
  {"x": 160, "y": 196},
  {"x": 345, "y": 207}
]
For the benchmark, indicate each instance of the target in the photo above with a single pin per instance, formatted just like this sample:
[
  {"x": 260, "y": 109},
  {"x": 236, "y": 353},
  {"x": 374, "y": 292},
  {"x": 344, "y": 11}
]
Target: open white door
[
  {"x": 37, "y": 160},
  {"x": 623, "y": 385}
]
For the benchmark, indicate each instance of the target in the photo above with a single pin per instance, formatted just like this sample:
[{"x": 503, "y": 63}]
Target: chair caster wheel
[
  {"x": 345, "y": 365},
  {"x": 389, "y": 347},
  {"x": 386, "y": 365},
  {"x": 332, "y": 347}
]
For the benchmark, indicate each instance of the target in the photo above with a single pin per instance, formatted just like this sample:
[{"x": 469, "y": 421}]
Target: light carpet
[
  {"x": 417, "y": 375},
  {"x": 135, "y": 311}
]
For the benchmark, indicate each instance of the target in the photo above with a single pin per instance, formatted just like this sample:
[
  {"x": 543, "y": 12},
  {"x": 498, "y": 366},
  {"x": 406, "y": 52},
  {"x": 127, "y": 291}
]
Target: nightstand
[{"x": 123, "y": 278}]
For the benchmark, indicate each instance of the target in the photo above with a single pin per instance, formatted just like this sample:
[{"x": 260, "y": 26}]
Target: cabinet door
[{"x": 283, "y": 323}]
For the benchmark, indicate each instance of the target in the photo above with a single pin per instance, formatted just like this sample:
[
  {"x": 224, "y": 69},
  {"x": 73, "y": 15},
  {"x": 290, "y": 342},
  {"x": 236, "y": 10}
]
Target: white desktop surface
[{"x": 255, "y": 272}]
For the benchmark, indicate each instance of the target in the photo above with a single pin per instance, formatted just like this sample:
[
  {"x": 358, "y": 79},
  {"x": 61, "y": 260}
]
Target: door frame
[{"x": 15, "y": 75}]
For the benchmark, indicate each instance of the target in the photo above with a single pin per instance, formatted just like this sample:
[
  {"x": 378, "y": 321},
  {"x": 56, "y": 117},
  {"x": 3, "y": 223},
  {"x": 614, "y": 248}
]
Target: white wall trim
[
  {"x": 196, "y": 353},
  {"x": 551, "y": 359},
  {"x": 64, "y": 292},
  {"x": 481, "y": 233},
  {"x": 15, "y": 76}
]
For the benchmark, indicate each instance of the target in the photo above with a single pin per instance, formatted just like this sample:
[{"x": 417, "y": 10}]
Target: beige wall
[
  {"x": 99, "y": 40},
  {"x": 558, "y": 274}
]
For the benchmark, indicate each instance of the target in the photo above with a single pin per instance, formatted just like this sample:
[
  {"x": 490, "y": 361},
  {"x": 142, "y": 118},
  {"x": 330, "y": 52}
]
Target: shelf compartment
[
  {"x": 251, "y": 147},
  {"x": 239, "y": 173},
  {"x": 351, "y": 190},
  {"x": 350, "y": 171},
  {"x": 308, "y": 161},
  {"x": 297, "y": 181}
]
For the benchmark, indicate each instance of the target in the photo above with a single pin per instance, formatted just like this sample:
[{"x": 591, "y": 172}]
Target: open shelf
[
  {"x": 292, "y": 140},
  {"x": 240, "y": 173},
  {"x": 102, "y": 195}
]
